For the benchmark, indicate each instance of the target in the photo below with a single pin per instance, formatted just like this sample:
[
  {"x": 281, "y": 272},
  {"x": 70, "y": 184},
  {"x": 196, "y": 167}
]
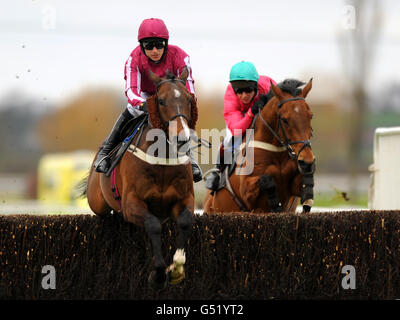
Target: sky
[{"x": 55, "y": 49}]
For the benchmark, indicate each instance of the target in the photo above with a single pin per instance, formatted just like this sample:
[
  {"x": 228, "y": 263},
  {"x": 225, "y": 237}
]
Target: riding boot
[
  {"x": 197, "y": 174},
  {"x": 212, "y": 181},
  {"x": 102, "y": 162}
]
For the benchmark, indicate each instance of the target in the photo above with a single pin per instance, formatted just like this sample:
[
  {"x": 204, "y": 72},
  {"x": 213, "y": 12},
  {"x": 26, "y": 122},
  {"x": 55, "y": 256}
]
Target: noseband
[{"x": 286, "y": 142}]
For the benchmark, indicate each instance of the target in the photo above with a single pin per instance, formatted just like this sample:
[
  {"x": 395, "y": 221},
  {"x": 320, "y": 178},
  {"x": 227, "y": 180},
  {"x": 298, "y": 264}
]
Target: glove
[
  {"x": 143, "y": 106},
  {"x": 255, "y": 108}
]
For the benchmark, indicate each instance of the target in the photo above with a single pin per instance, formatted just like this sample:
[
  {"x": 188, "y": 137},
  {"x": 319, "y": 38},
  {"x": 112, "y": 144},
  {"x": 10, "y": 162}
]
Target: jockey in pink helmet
[
  {"x": 155, "y": 54},
  {"x": 246, "y": 93}
]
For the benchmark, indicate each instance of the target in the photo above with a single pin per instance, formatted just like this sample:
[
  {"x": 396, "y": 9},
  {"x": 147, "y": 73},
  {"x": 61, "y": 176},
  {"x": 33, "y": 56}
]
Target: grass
[
  {"x": 340, "y": 200},
  {"x": 328, "y": 200}
]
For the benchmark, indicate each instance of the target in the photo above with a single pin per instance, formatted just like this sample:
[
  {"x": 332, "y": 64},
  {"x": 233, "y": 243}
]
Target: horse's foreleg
[
  {"x": 176, "y": 270},
  {"x": 268, "y": 185},
  {"x": 307, "y": 184},
  {"x": 184, "y": 222},
  {"x": 153, "y": 228},
  {"x": 303, "y": 190},
  {"x": 307, "y": 191},
  {"x": 136, "y": 211}
]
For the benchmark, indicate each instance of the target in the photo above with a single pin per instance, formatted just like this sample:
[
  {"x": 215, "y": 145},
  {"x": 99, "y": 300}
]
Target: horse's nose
[
  {"x": 184, "y": 133},
  {"x": 306, "y": 167},
  {"x": 180, "y": 130},
  {"x": 305, "y": 155}
]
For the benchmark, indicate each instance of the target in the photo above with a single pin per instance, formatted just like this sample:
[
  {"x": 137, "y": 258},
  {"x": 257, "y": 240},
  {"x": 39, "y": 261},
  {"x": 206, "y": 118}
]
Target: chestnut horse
[
  {"x": 151, "y": 188},
  {"x": 284, "y": 163}
]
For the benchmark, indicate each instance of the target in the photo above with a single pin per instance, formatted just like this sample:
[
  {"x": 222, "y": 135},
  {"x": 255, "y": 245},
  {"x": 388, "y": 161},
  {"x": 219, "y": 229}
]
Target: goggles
[
  {"x": 241, "y": 90},
  {"x": 149, "y": 45}
]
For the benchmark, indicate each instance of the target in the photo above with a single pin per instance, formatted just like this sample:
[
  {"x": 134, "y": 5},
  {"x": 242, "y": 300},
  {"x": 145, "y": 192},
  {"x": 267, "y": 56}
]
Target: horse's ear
[
  {"x": 306, "y": 89},
  {"x": 184, "y": 74},
  {"x": 153, "y": 77},
  {"x": 277, "y": 91}
]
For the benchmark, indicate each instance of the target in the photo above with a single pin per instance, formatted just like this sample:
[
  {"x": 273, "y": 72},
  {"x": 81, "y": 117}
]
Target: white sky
[{"x": 92, "y": 39}]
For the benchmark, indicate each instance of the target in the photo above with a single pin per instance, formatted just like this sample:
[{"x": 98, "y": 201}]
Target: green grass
[
  {"x": 329, "y": 200},
  {"x": 340, "y": 200}
]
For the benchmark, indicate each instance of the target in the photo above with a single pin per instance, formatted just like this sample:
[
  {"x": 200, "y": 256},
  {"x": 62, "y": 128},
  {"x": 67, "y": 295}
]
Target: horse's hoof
[
  {"x": 174, "y": 276},
  {"x": 175, "y": 272},
  {"x": 157, "y": 284}
]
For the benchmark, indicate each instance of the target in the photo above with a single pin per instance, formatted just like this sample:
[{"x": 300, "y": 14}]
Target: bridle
[
  {"x": 306, "y": 170},
  {"x": 178, "y": 114},
  {"x": 286, "y": 143}
]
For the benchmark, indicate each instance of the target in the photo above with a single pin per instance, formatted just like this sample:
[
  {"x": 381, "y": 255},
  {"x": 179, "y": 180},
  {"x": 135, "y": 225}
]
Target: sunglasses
[
  {"x": 151, "y": 44},
  {"x": 241, "y": 90}
]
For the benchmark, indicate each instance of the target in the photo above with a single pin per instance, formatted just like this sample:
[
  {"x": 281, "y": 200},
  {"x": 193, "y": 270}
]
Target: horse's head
[
  {"x": 294, "y": 120},
  {"x": 173, "y": 108}
]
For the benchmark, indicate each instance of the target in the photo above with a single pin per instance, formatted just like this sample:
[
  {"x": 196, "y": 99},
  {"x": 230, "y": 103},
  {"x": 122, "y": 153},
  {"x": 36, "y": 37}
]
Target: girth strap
[{"x": 239, "y": 203}]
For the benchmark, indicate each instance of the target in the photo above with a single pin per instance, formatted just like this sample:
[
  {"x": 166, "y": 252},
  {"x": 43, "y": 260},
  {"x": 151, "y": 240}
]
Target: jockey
[
  {"x": 155, "y": 54},
  {"x": 245, "y": 95}
]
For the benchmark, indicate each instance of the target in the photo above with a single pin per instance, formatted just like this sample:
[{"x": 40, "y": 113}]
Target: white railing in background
[{"x": 384, "y": 192}]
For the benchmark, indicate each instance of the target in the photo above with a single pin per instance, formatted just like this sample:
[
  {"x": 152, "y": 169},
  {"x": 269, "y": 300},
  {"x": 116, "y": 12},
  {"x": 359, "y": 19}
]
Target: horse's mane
[{"x": 288, "y": 85}]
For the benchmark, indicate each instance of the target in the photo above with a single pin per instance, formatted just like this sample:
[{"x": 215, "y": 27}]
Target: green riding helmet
[{"x": 243, "y": 70}]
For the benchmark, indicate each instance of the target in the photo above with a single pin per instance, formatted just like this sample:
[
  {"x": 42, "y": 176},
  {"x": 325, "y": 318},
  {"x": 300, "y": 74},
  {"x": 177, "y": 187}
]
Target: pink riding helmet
[{"x": 153, "y": 28}]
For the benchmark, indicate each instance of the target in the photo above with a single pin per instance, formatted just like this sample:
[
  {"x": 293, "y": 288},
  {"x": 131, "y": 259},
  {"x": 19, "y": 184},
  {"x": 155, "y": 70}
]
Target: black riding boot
[
  {"x": 212, "y": 181},
  {"x": 213, "y": 178},
  {"x": 197, "y": 175},
  {"x": 102, "y": 162}
]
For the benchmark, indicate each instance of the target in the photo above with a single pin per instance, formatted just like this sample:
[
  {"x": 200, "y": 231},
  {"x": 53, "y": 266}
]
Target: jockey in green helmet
[{"x": 245, "y": 95}]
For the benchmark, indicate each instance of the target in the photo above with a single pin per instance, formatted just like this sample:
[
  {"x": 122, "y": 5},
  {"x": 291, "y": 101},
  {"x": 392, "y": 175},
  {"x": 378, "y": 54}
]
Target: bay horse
[
  {"x": 147, "y": 188},
  {"x": 284, "y": 163}
]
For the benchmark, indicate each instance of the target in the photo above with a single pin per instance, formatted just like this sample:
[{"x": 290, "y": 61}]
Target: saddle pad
[{"x": 124, "y": 145}]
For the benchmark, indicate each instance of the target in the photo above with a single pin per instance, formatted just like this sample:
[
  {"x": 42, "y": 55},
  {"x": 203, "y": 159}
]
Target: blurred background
[{"x": 62, "y": 85}]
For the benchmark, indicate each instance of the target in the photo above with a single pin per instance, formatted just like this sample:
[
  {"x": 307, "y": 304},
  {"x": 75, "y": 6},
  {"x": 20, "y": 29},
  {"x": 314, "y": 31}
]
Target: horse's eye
[
  {"x": 160, "y": 102},
  {"x": 285, "y": 121}
]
